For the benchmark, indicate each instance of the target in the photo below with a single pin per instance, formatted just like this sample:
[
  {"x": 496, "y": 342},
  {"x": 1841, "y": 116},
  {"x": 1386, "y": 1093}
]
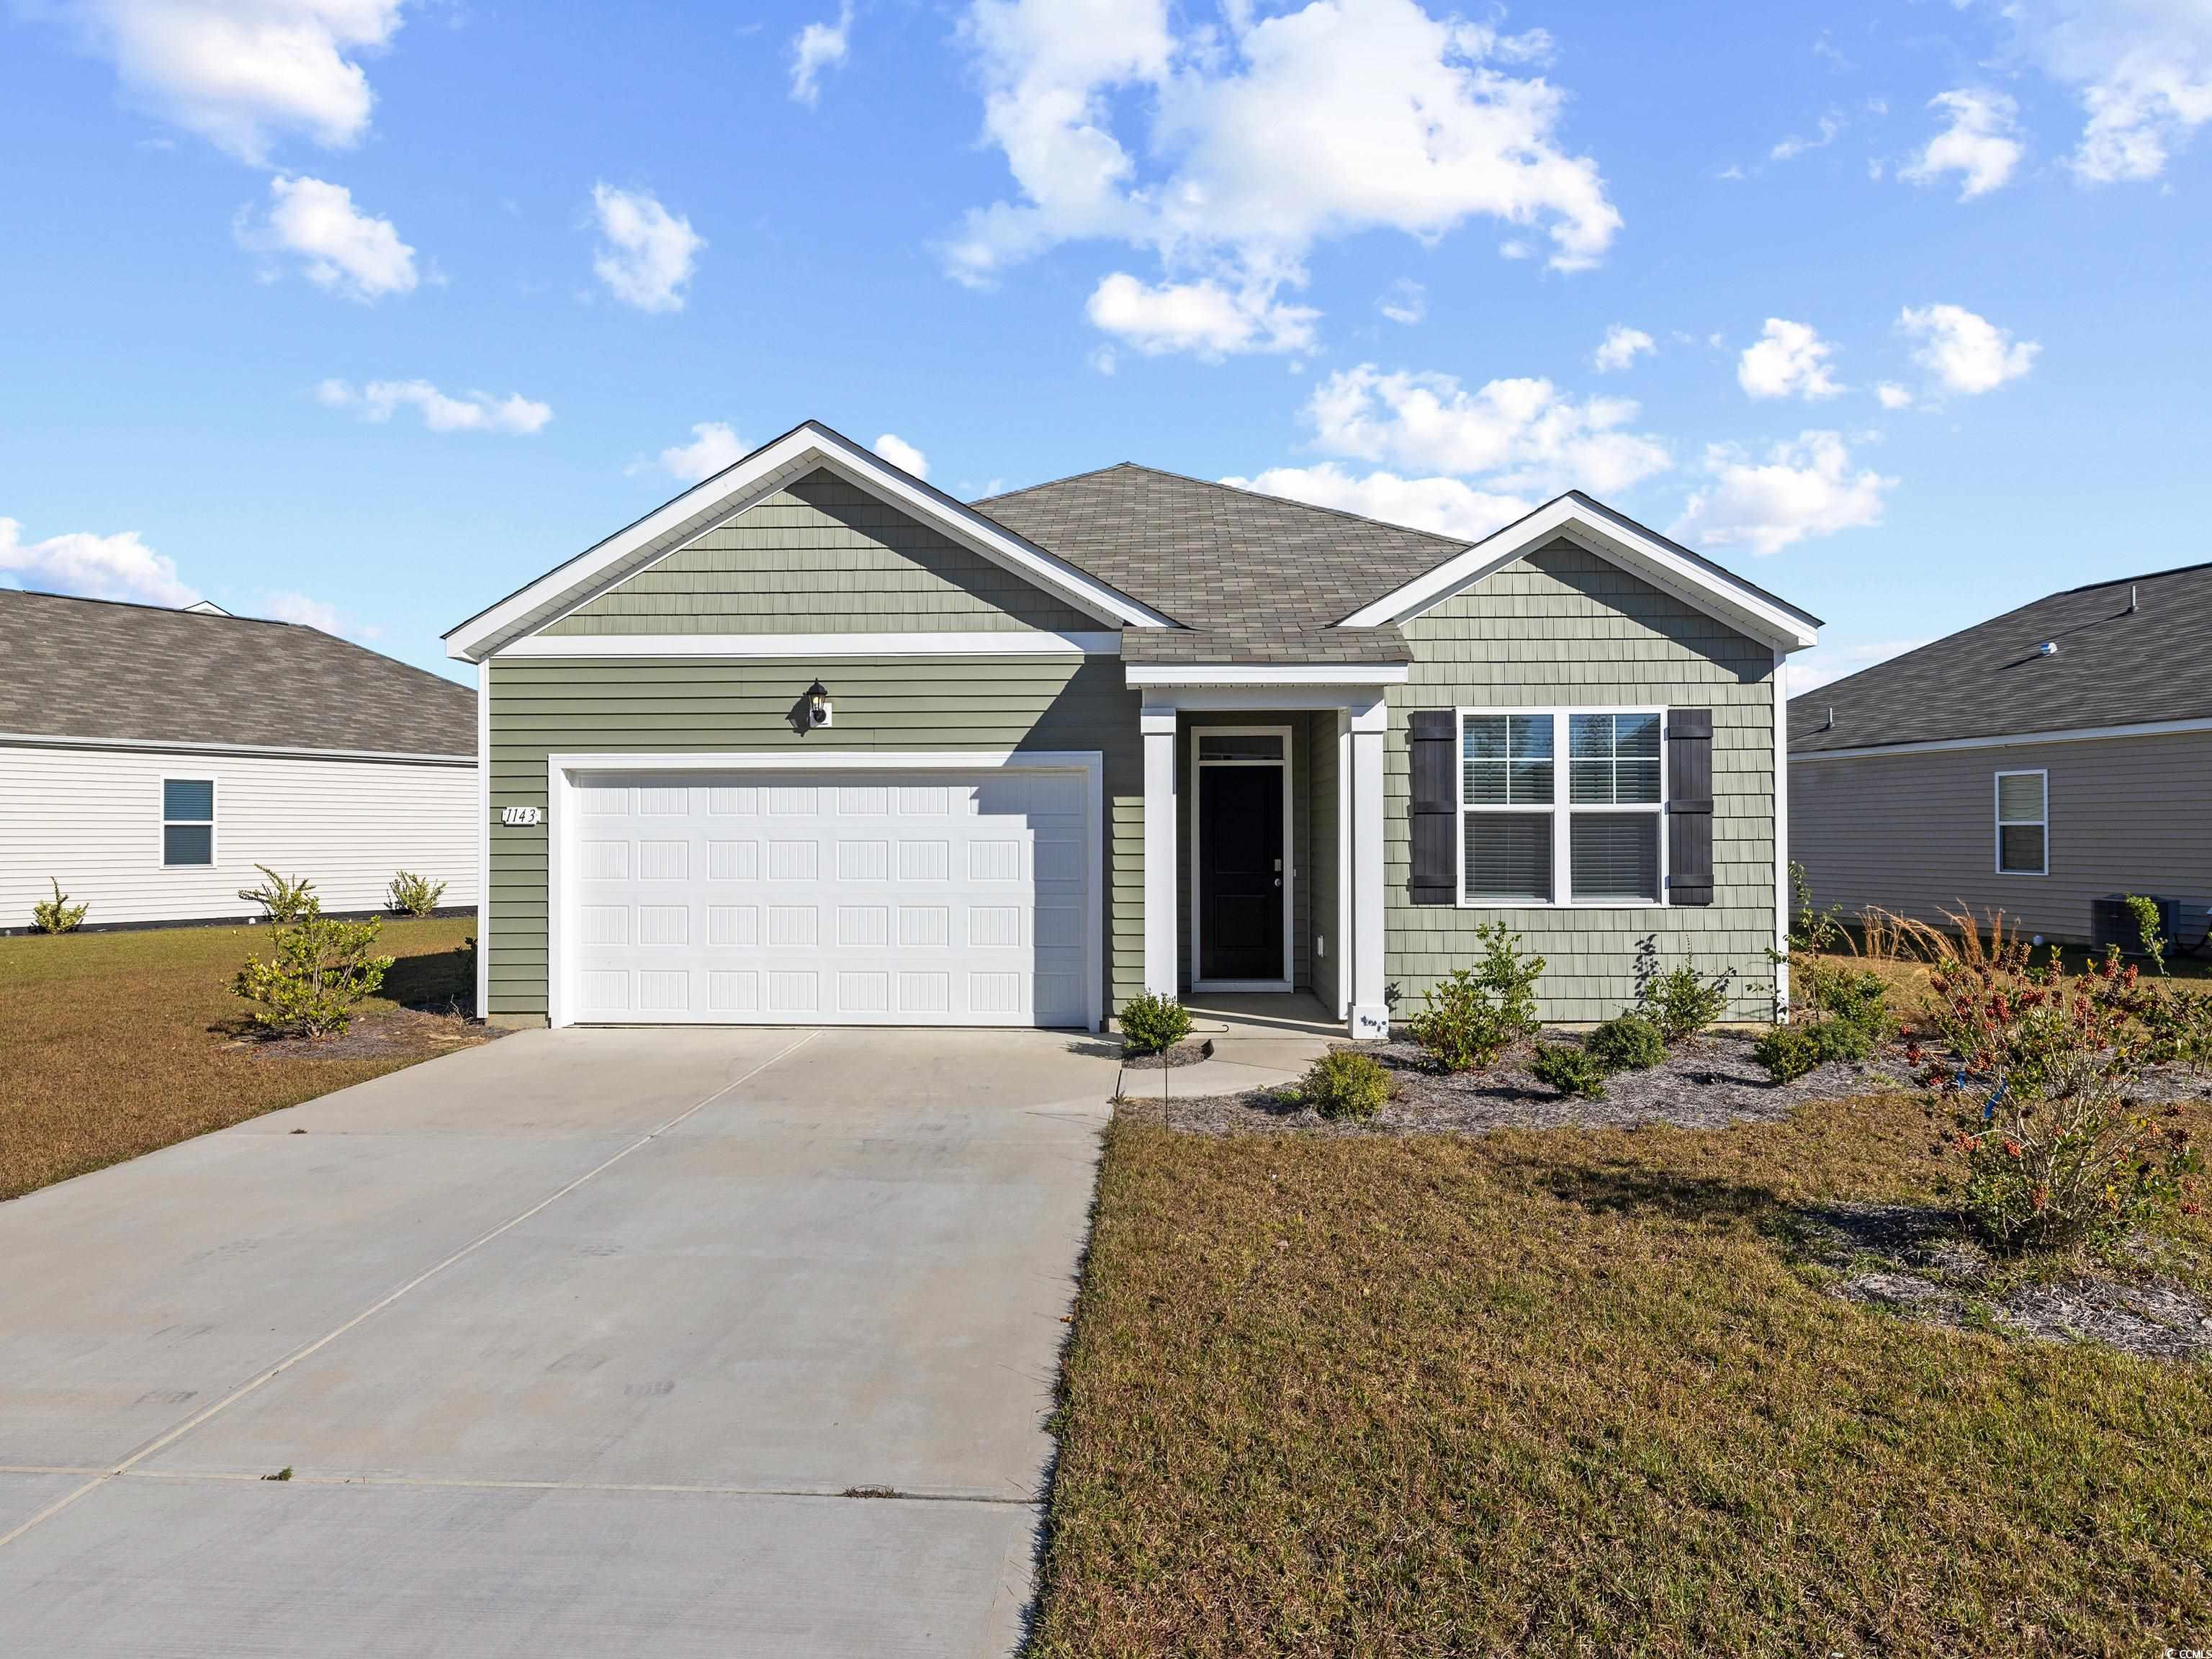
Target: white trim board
[
  {"x": 978, "y": 643},
  {"x": 162, "y": 746},
  {"x": 1144, "y": 675},
  {"x": 2012, "y": 740},
  {"x": 1614, "y": 539},
  {"x": 739, "y": 487}
]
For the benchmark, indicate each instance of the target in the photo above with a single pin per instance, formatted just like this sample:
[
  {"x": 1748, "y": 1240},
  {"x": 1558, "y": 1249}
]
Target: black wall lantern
[{"x": 818, "y": 706}]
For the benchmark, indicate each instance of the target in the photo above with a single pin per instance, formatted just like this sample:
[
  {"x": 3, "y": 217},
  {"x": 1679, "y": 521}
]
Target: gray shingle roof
[
  {"x": 1254, "y": 578},
  {"x": 2113, "y": 667},
  {"x": 98, "y": 668}
]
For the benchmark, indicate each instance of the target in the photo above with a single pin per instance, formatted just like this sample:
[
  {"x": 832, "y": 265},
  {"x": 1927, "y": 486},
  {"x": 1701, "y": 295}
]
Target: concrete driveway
[{"x": 582, "y": 1342}]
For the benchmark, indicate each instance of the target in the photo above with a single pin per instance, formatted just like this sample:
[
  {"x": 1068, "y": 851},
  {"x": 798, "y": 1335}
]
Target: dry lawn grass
[
  {"x": 1573, "y": 1392},
  {"x": 114, "y": 1044}
]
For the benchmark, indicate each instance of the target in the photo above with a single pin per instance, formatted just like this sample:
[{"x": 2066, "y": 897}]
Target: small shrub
[
  {"x": 1570, "y": 1068},
  {"x": 319, "y": 969},
  {"x": 1470, "y": 1016},
  {"x": 1787, "y": 1052},
  {"x": 1627, "y": 1042},
  {"x": 280, "y": 901},
  {"x": 57, "y": 914},
  {"x": 2177, "y": 1026},
  {"x": 1151, "y": 1024},
  {"x": 1828, "y": 991},
  {"x": 2145, "y": 912},
  {"x": 1681, "y": 1001},
  {"x": 1345, "y": 1083},
  {"x": 414, "y": 895}
]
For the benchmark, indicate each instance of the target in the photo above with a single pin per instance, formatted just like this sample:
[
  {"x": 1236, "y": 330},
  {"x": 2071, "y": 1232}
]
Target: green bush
[
  {"x": 1345, "y": 1084},
  {"x": 1570, "y": 1068},
  {"x": 1828, "y": 990},
  {"x": 1682, "y": 1002},
  {"x": 1789, "y": 1052},
  {"x": 1469, "y": 1017},
  {"x": 280, "y": 901},
  {"x": 319, "y": 969},
  {"x": 1151, "y": 1024},
  {"x": 1628, "y": 1042},
  {"x": 57, "y": 914},
  {"x": 413, "y": 895}
]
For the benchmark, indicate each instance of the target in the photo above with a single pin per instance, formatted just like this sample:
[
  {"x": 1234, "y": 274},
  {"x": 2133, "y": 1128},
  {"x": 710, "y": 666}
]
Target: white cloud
[
  {"x": 241, "y": 73},
  {"x": 1981, "y": 144},
  {"x": 1447, "y": 506},
  {"x": 1794, "y": 146},
  {"x": 1788, "y": 359},
  {"x": 1405, "y": 302},
  {"x": 1894, "y": 396},
  {"x": 816, "y": 48},
  {"x": 473, "y": 411},
  {"x": 714, "y": 445},
  {"x": 1232, "y": 148},
  {"x": 647, "y": 253},
  {"x": 1523, "y": 433},
  {"x": 1964, "y": 353},
  {"x": 1804, "y": 487},
  {"x": 902, "y": 454},
  {"x": 1825, "y": 663},
  {"x": 2143, "y": 69},
  {"x": 118, "y": 567},
  {"x": 1619, "y": 349},
  {"x": 1203, "y": 318},
  {"x": 344, "y": 250}
]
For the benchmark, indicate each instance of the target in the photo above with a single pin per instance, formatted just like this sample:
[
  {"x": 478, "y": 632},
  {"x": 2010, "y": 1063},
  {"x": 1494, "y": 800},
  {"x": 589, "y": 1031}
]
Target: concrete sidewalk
[{"x": 574, "y": 1343}]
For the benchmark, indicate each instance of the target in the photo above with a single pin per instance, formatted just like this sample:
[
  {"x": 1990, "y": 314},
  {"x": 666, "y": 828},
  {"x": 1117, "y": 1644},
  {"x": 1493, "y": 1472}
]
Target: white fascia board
[
  {"x": 831, "y": 760},
  {"x": 2011, "y": 740},
  {"x": 1162, "y": 674},
  {"x": 981, "y": 643},
  {"x": 278, "y": 751},
  {"x": 1612, "y": 539},
  {"x": 740, "y": 486}
]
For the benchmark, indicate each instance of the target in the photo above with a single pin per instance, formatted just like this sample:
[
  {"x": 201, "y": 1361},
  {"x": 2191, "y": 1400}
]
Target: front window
[
  {"x": 1533, "y": 831},
  {"x": 187, "y": 820},
  {"x": 2023, "y": 823}
]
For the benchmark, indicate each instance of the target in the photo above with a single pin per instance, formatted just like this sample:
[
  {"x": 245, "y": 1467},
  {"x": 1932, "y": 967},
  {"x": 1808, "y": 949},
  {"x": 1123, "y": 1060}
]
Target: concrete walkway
[{"x": 574, "y": 1344}]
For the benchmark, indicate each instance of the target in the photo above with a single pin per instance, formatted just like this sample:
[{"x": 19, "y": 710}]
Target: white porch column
[
  {"x": 1158, "y": 725},
  {"x": 1371, "y": 1015}
]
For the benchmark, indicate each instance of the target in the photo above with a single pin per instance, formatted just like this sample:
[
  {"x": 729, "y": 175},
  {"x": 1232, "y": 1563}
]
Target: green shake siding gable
[
  {"x": 546, "y": 705},
  {"x": 1562, "y": 627}
]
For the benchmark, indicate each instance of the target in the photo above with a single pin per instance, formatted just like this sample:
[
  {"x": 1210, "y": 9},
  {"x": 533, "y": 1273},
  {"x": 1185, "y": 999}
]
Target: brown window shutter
[
  {"x": 1689, "y": 806},
  {"x": 1435, "y": 810}
]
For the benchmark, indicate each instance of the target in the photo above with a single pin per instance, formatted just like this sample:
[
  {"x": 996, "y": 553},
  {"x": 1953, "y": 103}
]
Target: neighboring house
[
  {"x": 1122, "y": 732},
  {"x": 2057, "y": 754},
  {"x": 149, "y": 758}
]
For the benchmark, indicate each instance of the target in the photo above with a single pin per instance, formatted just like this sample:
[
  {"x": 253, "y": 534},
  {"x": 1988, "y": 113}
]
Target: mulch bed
[
  {"x": 1189, "y": 1052},
  {"x": 401, "y": 1034}
]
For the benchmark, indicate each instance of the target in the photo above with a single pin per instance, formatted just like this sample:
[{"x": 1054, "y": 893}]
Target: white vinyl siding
[
  {"x": 92, "y": 820},
  {"x": 2023, "y": 823}
]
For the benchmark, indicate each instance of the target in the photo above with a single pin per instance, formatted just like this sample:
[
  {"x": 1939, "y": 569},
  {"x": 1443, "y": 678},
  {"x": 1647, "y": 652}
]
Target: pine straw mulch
[{"x": 398, "y": 1036}]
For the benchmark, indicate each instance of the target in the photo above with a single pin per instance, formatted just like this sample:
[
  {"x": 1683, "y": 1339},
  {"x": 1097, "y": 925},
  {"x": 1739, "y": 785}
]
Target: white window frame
[
  {"x": 1562, "y": 881},
  {"x": 2000, "y": 824},
  {"x": 212, "y": 820},
  {"x": 1198, "y": 734}
]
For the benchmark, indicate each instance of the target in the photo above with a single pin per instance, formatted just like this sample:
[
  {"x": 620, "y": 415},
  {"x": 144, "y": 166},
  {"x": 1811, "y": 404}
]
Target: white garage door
[{"x": 923, "y": 898}]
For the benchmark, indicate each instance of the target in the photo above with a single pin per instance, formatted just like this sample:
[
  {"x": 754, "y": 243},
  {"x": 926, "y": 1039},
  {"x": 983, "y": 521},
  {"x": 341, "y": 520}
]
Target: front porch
[{"x": 1263, "y": 849}]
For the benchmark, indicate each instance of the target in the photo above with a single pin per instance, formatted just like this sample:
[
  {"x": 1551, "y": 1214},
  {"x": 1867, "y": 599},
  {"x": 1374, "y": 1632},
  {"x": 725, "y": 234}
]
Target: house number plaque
[{"x": 521, "y": 816}]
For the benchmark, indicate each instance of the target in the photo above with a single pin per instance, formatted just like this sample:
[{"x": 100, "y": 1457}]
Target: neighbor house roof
[
  {"x": 2128, "y": 652},
  {"x": 103, "y": 669},
  {"x": 1251, "y": 578}
]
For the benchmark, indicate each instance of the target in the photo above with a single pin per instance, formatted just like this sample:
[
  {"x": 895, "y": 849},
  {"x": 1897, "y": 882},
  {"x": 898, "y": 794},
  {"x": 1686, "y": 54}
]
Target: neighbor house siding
[
  {"x": 1915, "y": 834},
  {"x": 545, "y": 706},
  {"x": 91, "y": 819},
  {"x": 822, "y": 555},
  {"x": 1562, "y": 627}
]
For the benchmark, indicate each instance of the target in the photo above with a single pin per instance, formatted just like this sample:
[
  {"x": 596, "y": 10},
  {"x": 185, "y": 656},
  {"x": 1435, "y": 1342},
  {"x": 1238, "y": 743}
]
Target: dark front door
[{"x": 1240, "y": 872}]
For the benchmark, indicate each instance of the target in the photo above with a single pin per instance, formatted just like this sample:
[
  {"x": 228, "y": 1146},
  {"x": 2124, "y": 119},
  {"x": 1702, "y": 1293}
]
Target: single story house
[
  {"x": 2054, "y": 756},
  {"x": 816, "y": 743},
  {"x": 150, "y": 758}
]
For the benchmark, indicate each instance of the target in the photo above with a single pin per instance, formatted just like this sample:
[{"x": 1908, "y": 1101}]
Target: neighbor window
[
  {"x": 2023, "y": 823},
  {"x": 187, "y": 820},
  {"x": 1522, "y": 815}
]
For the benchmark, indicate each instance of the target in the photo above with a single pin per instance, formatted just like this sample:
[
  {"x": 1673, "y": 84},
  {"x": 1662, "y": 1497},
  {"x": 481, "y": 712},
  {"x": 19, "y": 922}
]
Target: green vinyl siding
[
  {"x": 542, "y": 705},
  {"x": 1562, "y": 627},
  {"x": 822, "y": 555}
]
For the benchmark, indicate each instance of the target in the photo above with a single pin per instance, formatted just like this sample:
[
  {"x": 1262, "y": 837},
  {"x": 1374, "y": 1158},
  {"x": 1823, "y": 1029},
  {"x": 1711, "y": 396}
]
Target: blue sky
[{"x": 365, "y": 311}]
